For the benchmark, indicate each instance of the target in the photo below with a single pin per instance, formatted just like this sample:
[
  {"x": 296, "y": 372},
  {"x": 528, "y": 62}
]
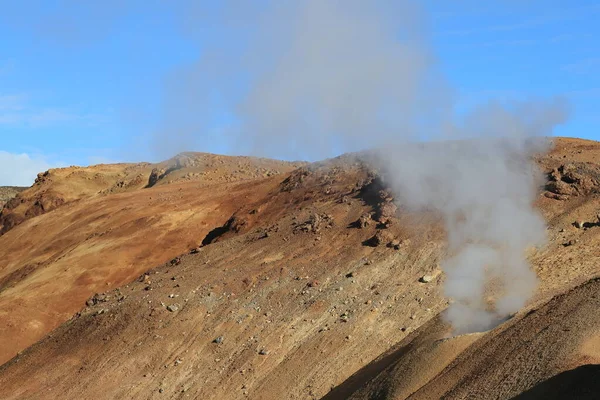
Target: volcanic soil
[{"x": 215, "y": 277}]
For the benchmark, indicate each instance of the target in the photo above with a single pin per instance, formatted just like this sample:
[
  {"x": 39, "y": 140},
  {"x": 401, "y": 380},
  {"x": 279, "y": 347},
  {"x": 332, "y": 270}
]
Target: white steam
[
  {"x": 485, "y": 188},
  {"x": 309, "y": 78}
]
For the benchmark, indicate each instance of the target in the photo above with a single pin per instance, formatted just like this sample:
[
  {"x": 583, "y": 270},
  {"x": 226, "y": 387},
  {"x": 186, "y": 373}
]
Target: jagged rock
[
  {"x": 218, "y": 340},
  {"x": 574, "y": 179},
  {"x": 395, "y": 244},
  {"x": 386, "y": 211},
  {"x": 363, "y": 221},
  {"x": 173, "y": 307},
  {"x": 560, "y": 188},
  {"x": 578, "y": 224},
  {"x": 381, "y": 237},
  {"x": 97, "y": 298},
  {"x": 155, "y": 176},
  {"x": 315, "y": 223},
  {"x": 295, "y": 180}
]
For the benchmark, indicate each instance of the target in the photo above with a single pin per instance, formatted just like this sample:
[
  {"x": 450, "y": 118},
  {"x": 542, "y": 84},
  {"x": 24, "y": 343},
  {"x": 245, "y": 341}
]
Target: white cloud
[
  {"x": 17, "y": 111},
  {"x": 20, "y": 169},
  {"x": 12, "y": 102}
]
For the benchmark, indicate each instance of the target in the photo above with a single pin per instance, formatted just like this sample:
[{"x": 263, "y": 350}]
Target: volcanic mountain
[{"x": 214, "y": 277}]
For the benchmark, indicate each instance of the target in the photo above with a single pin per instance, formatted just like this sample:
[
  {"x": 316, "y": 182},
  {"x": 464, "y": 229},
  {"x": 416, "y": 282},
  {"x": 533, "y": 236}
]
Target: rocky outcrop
[{"x": 573, "y": 179}]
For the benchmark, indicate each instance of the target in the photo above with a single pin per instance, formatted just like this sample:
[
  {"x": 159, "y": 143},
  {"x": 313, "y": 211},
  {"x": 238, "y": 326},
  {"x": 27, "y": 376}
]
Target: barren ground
[{"x": 302, "y": 302}]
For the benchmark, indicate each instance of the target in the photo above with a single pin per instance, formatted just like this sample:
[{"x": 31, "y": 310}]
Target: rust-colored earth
[{"x": 303, "y": 283}]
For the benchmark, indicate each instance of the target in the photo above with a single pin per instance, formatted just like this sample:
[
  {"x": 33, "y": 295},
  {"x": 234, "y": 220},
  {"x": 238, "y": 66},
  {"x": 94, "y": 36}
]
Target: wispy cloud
[
  {"x": 12, "y": 102},
  {"x": 21, "y": 169},
  {"x": 16, "y": 110},
  {"x": 568, "y": 37},
  {"x": 583, "y": 66}
]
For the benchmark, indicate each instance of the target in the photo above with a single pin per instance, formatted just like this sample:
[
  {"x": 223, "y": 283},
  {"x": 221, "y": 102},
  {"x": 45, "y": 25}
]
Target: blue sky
[{"x": 88, "y": 82}]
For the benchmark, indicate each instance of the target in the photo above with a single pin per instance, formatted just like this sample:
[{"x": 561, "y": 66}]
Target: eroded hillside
[
  {"x": 59, "y": 186},
  {"x": 308, "y": 283}
]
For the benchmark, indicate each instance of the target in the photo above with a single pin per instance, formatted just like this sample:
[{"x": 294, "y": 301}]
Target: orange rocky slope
[
  {"x": 64, "y": 185},
  {"x": 103, "y": 234},
  {"x": 310, "y": 277}
]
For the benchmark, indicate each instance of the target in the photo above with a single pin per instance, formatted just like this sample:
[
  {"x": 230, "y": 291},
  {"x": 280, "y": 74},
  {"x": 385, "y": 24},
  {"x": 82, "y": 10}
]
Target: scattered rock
[
  {"x": 363, "y": 221},
  {"x": 426, "y": 278},
  {"x": 350, "y": 275},
  {"x": 555, "y": 196},
  {"x": 386, "y": 211},
  {"x": 570, "y": 243},
  {"x": 263, "y": 352},
  {"x": 315, "y": 223},
  {"x": 218, "y": 340},
  {"x": 97, "y": 298},
  {"x": 176, "y": 261},
  {"x": 173, "y": 307},
  {"x": 379, "y": 238},
  {"x": 395, "y": 244}
]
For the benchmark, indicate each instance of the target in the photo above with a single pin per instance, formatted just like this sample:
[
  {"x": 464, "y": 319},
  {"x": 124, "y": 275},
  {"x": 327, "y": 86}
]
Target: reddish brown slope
[
  {"x": 295, "y": 281},
  {"x": 60, "y": 186},
  {"x": 50, "y": 264},
  {"x": 282, "y": 278}
]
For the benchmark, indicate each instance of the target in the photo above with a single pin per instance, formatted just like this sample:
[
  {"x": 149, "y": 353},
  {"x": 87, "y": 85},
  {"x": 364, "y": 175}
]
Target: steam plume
[{"x": 313, "y": 77}]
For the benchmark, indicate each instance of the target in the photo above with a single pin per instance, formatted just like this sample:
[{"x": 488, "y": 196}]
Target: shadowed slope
[{"x": 581, "y": 383}]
